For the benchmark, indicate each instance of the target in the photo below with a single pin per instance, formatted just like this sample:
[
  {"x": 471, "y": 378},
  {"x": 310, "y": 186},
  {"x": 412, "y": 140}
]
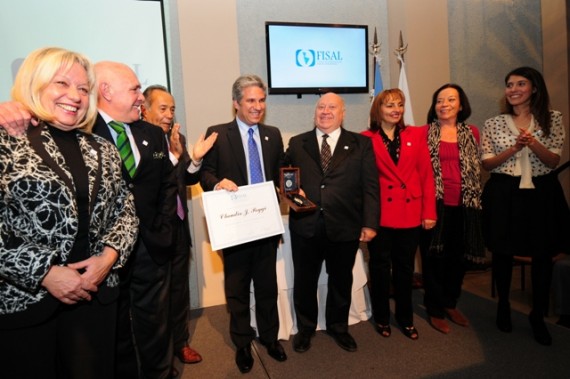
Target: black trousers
[
  {"x": 144, "y": 341},
  {"x": 242, "y": 264},
  {"x": 179, "y": 288},
  {"x": 443, "y": 275},
  {"x": 308, "y": 257},
  {"x": 77, "y": 342},
  {"x": 393, "y": 251}
]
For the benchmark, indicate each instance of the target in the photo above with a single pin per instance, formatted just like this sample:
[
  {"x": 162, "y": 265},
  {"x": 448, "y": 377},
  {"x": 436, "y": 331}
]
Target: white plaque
[{"x": 251, "y": 213}]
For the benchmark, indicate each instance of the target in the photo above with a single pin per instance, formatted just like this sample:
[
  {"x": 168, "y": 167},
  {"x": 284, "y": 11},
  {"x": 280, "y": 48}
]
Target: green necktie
[{"x": 124, "y": 147}]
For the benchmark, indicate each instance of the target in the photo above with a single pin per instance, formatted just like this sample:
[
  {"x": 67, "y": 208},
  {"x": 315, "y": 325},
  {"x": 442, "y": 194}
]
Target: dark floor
[
  {"x": 480, "y": 351},
  {"x": 479, "y": 283}
]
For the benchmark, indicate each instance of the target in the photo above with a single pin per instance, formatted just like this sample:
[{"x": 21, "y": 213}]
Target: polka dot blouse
[{"x": 497, "y": 137}]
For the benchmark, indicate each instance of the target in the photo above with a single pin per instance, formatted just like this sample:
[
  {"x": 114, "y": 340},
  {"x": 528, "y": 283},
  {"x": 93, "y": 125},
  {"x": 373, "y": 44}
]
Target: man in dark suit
[
  {"x": 159, "y": 109},
  {"x": 344, "y": 186},
  {"x": 226, "y": 167},
  {"x": 143, "y": 329}
]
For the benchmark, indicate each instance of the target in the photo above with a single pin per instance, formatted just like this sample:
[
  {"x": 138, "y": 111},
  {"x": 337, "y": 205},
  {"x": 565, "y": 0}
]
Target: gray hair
[
  {"x": 149, "y": 90},
  {"x": 245, "y": 81}
]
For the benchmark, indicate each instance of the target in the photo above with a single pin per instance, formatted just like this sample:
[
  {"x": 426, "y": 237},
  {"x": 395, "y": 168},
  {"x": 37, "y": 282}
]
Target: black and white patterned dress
[{"x": 39, "y": 212}]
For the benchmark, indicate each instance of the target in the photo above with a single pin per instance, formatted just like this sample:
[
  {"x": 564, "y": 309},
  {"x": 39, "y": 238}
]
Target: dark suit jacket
[
  {"x": 227, "y": 159},
  {"x": 153, "y": 186},
  {"x": 347, "y": 195},
  {"x": 183, "y": 179}
]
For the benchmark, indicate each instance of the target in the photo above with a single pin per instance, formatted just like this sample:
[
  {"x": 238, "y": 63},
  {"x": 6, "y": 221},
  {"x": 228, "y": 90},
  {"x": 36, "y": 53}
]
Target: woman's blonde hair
[{"x": 36, "y": 73}]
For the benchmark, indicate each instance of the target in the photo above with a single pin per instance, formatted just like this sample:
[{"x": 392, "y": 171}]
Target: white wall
[
  {"x": 423, "y": 25},
  {"x": 555, "y": 69},
  {"x": 220, "y": 39},
  {"x": 210, "y": 64}
]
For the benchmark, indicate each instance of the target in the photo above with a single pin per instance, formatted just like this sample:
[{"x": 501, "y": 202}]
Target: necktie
[
  {"x": 326, "y": 154},
  {"x": 179, "y": 208},
  {"x": 124, "y": 147},
  {"x": 255, "y": 173}
]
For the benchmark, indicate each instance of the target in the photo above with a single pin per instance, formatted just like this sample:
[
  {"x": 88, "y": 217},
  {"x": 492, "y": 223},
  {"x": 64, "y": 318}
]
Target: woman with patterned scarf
[{"x": 457, "y": 238}]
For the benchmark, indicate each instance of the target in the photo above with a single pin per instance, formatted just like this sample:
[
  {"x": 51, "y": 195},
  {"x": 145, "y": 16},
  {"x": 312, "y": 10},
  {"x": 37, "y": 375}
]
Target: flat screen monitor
[
  {"x": 305, "y": 58},
  {"x": 99, "y": 29}
]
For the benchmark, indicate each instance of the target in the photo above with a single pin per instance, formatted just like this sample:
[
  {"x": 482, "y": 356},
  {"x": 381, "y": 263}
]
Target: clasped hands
[
  {"x": 75, "y": 282},
  {"x": 524, "y": 139}
]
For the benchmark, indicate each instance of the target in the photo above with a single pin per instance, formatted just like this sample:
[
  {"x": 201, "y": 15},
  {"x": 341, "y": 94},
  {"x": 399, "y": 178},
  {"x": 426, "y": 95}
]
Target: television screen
[
  {"x": 316, "y": 58},
  {"x": 115, "y": 43}
]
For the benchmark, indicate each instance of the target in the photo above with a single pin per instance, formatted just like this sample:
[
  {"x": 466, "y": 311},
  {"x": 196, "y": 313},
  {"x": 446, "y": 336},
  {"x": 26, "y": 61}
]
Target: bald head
[
  {"x": 329, "y": 112},
  {"x": 119, "y": 91}
]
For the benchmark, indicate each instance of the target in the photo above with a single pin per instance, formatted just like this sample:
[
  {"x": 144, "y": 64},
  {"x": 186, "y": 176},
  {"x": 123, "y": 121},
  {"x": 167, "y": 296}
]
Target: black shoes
[
  {"x": 411, "y": 332},
  {"x": 564, "y": 321},
  {"x": 344, "y": 340},
  {"x": 276, "y": 351},
  {"x": 539, "y": 330},
  {"x": 384, "y": 330},
  {"x": 244, "y": 360},
  {"x": 302, "y": 341},
  {"x": 504, "y": 322}
]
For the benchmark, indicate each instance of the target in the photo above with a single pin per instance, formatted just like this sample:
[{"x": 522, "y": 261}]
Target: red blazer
[{"x": 407, "y": 190}]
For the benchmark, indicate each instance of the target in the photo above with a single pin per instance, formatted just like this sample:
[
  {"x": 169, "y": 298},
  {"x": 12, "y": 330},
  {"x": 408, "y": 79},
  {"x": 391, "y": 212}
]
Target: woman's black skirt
[{"x": 527, "y": 222}]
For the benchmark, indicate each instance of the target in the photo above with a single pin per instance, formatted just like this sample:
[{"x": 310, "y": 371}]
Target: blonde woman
[{"x": 67, "y": 223}]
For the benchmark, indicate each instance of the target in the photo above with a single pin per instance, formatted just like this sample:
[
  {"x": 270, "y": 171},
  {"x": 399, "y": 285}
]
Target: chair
[
  {"x": 517, "y": 261},
  {"x": 524, "y": 261}
]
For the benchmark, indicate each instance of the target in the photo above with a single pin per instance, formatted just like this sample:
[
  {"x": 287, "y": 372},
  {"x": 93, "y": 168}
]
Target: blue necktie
[{"x": 255, "y": 173}]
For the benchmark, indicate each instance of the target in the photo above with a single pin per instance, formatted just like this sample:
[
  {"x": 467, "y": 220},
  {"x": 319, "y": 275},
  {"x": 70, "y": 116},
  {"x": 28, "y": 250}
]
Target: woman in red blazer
[{"x": 407, "y": 203}]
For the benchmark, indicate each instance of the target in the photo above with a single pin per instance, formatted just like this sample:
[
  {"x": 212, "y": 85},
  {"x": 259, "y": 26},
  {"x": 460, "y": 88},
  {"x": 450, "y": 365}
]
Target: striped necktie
[
  {"x": 124, "y": 147},
  {"x": 255, "y": 173},
  {"x": 326, "y": 154}
]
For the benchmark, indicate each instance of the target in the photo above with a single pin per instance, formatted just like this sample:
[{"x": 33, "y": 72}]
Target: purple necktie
[{"x": 179, "y": 208}]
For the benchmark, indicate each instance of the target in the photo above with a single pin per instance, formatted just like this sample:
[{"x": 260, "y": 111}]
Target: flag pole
[
  {"x": 375, "y": 51},
  {"x": 401, "y": 50},
  {"x": 403, "y": 82}
]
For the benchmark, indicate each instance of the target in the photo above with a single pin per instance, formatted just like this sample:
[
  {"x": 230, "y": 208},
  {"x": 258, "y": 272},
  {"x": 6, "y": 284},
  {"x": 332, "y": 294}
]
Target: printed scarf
[{"x": 470, "y": 191}]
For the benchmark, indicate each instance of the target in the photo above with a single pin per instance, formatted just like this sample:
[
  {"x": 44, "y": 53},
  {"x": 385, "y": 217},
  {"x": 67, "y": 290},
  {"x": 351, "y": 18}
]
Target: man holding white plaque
[{"x": 248, "y": 152}]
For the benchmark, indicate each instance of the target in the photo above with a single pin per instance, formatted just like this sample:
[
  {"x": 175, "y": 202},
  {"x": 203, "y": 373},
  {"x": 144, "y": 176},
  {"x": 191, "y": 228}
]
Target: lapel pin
[
  {"x": 409, "y": 144},
  {"x": 346, "y": 148},
  {"x": 145, "y": 143},
  {"x": 266, "y": 138}
]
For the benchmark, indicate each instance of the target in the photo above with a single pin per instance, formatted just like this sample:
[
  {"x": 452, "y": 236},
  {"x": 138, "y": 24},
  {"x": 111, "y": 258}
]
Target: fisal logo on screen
[{"x": 311, "y": 58}]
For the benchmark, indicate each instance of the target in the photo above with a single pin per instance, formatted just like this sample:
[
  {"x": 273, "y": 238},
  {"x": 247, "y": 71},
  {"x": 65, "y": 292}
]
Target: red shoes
[
  {"x": 457, "y": 317},
  {"x": 439, "y": 324},
  {"x": 188, "y": 355}
]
